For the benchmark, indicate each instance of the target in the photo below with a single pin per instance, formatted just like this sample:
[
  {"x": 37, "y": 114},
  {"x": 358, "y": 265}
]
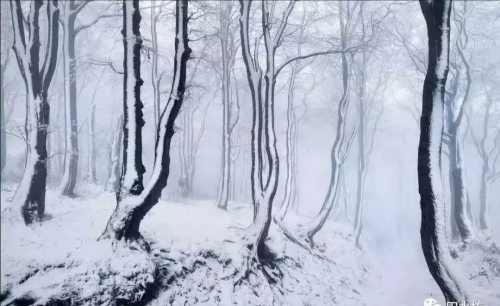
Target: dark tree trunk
[
  {"x": 433, "y": 226},
  {"x": 31, "y": 193},
  {"x": 132, "y": 166},
  {"x": 125, "y": 221}
]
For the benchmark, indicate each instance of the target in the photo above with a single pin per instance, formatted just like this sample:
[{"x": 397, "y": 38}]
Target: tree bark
[
  {"x": 30, "y": 196},
  {"x": 433, "y": 224},
  {"x": 113, "y": 183},
  {"x": 131, "y": 181},
  {"x": 125, "y": 221}
]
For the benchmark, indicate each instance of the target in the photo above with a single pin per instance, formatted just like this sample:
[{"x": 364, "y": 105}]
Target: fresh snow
[{"x": 197, "y": 249}]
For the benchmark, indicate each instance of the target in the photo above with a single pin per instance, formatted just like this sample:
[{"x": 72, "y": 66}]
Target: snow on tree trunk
[
  {"x": 2, "y": 112},
  {"x": 125, "y": 221},
  {"x": 30, "y": 197},
  {"x": 484, "y": 224},
  {"x": 113, "y": 183},
  {"x": 155, "y": 79},
  {"x": 91, "y": 163},
  {"x": 341, "y": 145},
  {"x": 224, "y": 189},
  {"x": 289, "y": 188},
  {"x": 68, "y": 182},
  {"x": 432, "y": 202},
  {"x": 132, "y": 166}
]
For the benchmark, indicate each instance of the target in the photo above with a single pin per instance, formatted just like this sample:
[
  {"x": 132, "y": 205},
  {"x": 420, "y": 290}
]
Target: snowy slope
[{"x": 194, "y": 247}]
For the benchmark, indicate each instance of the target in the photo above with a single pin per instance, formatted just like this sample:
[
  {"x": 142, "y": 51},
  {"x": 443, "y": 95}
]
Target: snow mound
[{"x": 196, "y": 254}]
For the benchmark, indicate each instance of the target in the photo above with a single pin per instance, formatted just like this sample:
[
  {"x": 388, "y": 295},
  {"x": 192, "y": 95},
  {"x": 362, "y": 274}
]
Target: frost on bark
[
  {"x": 124, "y": 223},
  {"x": 132, "y": 166},
  {"x": 432, "y": 204},
  {"x": 264, "y": 180},
  {"x": 37, "y": 71},
  {"x": 113, "y": 183},
  {"x": 341, "y": 145}
]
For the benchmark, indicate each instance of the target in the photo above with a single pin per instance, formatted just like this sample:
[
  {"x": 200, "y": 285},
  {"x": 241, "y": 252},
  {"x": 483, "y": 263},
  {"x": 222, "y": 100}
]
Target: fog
[{"x": 385, "y": 53}]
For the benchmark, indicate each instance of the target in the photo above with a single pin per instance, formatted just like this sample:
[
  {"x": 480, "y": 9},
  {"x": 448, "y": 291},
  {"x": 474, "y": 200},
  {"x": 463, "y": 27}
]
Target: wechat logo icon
[{"x": 431, "y": 302}]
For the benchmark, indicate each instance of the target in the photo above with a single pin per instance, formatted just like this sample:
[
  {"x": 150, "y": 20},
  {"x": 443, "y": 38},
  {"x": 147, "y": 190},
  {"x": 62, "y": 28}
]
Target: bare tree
[
  {"x": 488, "y": 148},
  {"x": 124, "y": 223},
  {"x": 71, "y": 10},
  {"x": 342, "y": 143},
  {"x": 230, "y": 110},
  {"x": 37, "y": 77},
  {"x": 433, "y": 224}
]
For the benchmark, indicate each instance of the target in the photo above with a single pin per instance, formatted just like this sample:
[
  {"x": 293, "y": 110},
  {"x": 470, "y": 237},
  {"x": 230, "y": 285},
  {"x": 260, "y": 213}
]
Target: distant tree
[{"x": 37, "y": 78}]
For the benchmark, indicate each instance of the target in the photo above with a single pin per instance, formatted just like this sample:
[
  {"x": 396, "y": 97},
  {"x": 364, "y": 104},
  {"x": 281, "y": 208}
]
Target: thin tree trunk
[
  {"x": 68, "y": 182},
  {"x": 338, "y": 153},
  {"x": 91, "y": 171},
  {"x": 433, "y": 224},
  {"x": 3, "y": 136}
]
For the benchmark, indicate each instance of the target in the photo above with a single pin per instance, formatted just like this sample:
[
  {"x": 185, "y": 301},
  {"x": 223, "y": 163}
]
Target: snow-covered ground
[{"x": 196, "y": 246}]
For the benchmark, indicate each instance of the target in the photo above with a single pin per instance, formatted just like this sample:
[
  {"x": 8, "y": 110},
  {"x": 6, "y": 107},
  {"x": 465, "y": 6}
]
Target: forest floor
[{"x": 196, "y": 247}]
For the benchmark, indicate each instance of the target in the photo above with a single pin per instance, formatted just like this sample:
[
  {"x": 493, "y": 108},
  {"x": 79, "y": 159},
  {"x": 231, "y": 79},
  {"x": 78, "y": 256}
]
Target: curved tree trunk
[
  {"x": 30, "y": 196},
  {"x": 340, "y": 149},
  {"x": 433, "y": 224},
  {"x": 124, "y": 223}
]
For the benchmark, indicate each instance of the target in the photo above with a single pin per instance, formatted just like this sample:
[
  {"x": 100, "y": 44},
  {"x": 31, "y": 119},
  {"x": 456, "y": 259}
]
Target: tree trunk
[
  {"x": 155, "y": 79},
  {"x": 125, "y": 221},
  {"x": 289, "y": 184},
  {"x": 91, "y": 165},
  {"x": 433, "y": 224},
  {"x": 2, "y": 114},
  {"x": 30, "y": 196},
  {"x": 484, "y": 224},
  {"x": 132, "y": 166},
  {"x": 68, "y": 182},
  {"x": 114, "y": 176},
  {"x": 338, "y": 155}
]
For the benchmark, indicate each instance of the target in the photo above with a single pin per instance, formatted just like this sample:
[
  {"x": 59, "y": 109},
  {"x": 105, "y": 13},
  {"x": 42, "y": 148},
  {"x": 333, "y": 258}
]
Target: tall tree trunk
[
  {"x": 68, "y": 182},
  {"x": 362, "y": 158},
  {"x": 484, "y": 224},
  {"x": 338, "y": 153},
  {"x": 132, "y": 166},
  {"x": 2, "y": 114},
  {"x": 289, "y": 181},
  {"x": 155, "y": 79},
  {"x": 125, "y": 221},
  {"x": 91, "y": 163},
  {"x": 432, "y": 204},
  {"x": 30, "y": 197}
]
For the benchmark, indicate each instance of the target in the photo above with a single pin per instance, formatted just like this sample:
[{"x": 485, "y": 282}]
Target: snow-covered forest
[{"x": 239, "y": 152}]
